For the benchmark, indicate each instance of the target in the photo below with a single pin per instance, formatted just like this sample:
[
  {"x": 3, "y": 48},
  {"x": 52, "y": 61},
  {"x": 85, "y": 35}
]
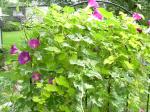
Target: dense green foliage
[
  {"x": 97, "y": 66},
  {"x": 11, "y": 26}
]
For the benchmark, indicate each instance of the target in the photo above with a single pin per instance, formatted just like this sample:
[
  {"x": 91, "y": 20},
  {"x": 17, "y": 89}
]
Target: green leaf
[
  {"x": 74, "y": 38},
  {"x": 93, "y": 74},
  {"x": 67, "y": 25},
  {"x": 39, "y": 85},
  {"x": 56, "y": 7},
  {"x": 51, "y": 88},
  {"x": 88, "y": 40},
  {"x": 95, "y": 109},
  {"x": 53, "y": 49},
  {"x": 71, "y": 91},
  {"x": 105, "y": 13},
  {"x": 96, "y": 101},
  {"x": 62, "y": 81},
  {"x": 64, "y": 108},
  {"x": 77, "y": 62},
  {"x": 134, "y": 43},
  {"x": 81, "y": 27},
  {"x": 109, "y": 60},
  {"x": 36, "y": 99},
  {"x": 129, "y": 65},
  {"x": 59, "y": 38},
  {"x": 88, "y": 86},
  {"x": 38, "y": 55},
  {"x": 45, "y": 94},
  {"x": 61, "y": 70},
  {"x": 67, "y": 9}
]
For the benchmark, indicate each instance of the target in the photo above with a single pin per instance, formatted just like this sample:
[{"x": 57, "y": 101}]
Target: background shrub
[{"x": 11, "y": 26}]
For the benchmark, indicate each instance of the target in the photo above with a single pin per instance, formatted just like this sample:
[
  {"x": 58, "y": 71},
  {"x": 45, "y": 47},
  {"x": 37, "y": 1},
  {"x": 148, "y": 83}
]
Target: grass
[{"x": 10, "y": 38}]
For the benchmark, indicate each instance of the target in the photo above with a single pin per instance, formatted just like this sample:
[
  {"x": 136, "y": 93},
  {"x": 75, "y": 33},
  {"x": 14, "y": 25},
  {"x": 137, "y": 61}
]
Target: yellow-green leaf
[
  {"x": 62, "y": 81},
  {"x": 109, "y": 60},
  {"x": 59, "y": 38}
]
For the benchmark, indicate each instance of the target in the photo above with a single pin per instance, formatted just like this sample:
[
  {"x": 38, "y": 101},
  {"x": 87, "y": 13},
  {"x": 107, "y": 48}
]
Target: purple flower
[
  {"x": 13, "y": 49},
  {"x": 24, "y": 57},
  {"x": 149, "y": 22},
  {"x": 97, "y": 15},
  {"x": 36, "y": 76},
  {"x": 139, "y": 30},
  {"x": 93, "y": 3},
  {"x": 137, "y": 16},
  {"x": 34, "y": 43},
  {"x": 50, "y": 80}
]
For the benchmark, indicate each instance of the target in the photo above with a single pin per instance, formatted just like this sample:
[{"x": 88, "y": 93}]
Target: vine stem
[
  {"x": 148, "y": 97},
  {"x": 81, "y": 100},
  {"x": 109, "y": 92},
  {"x": 127, "y": 104},
  {"x": 86, "y": 99}
]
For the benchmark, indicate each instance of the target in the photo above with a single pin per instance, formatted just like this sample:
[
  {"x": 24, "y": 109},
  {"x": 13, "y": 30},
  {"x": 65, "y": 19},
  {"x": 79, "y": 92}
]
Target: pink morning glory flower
[
  {"x": 36, "y": 76},
  {"x": 149, "y": 22},
  {"x": 139, "y": 30},
  {"x": 137, "y": 16},
  {"x": 34, "y": 43},
  {"x": 24, "y": 57},
  {"x": 13, "y": 49},
  {"x": 50, "y": 80},
  {"x": 97, "y": 15},
  {"x": 93, "y": 3}
]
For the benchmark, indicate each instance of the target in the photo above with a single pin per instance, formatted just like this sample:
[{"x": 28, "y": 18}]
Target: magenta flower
[
  {"x": 50, "y": 80},
  {"x": 139, "y": 30},
  {"x": 36, "y": 76},
  {"x": 34, "y": 43},
  {"x": 137, "y": 16},
  {"x": 93, "y": 3},
  {"x": 13, "y": 49},
  {"x": 24, "y": 57},
  {"x": 97, "y": 15},
  {"x": 149, "y": 22}
]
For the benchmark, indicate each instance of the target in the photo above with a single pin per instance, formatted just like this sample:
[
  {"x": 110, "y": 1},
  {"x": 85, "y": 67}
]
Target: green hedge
[{"x": 11, "y": 26}]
